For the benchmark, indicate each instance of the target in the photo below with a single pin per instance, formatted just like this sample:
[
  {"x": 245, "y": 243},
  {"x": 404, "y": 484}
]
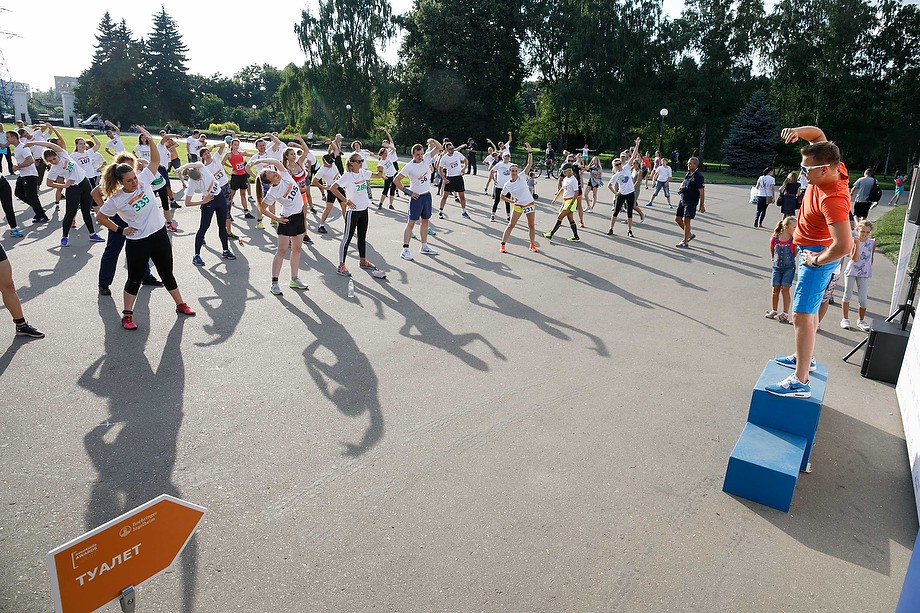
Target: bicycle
[{"x": 549, "y": 166}]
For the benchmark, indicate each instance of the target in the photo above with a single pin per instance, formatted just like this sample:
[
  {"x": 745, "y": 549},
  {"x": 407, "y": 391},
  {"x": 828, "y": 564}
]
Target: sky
[{"x": 70, "y": 32}]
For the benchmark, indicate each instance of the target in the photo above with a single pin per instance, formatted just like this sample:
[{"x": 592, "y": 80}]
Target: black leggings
[
  {"x": 497, "y": 195},
  {"x": 78, "y": 197},
  {"x": 155, "y": 247},
  {"x": 354, "y": 220},
  {"x": 6, "y": 200},
  {"x": 389, "y": 187},
  {"x": 761, "y": 209},
  {"x": 629, "y": 200},
  {"x": 218, "y": 206},
  {"x": 164, "y": 197}
]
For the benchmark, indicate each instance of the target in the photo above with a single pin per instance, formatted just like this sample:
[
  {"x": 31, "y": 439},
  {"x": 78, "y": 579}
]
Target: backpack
[{"x": 875, "y": 194}]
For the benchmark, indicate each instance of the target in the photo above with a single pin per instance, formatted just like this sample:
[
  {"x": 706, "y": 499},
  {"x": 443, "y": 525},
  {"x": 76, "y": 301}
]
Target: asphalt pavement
[{"x": 476, "y": 432}]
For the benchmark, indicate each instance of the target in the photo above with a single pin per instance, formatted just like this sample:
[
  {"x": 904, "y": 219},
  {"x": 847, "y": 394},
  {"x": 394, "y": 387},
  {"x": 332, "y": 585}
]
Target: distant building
[{"x": 64, "y": 84}]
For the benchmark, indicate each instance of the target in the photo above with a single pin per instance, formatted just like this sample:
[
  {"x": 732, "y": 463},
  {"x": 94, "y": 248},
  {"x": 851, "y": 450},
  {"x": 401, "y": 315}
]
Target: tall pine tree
[
  {"x": 753, "y": 138},
  {"x": 169, "y": 87},
  {"x": 110, "y": 86}
]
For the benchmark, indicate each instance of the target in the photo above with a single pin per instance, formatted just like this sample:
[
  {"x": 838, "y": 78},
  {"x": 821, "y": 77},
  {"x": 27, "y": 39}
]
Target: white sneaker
[
  {"x": 845, "y": 324},
  {"x": 427, "y": 250},
  {"x": 405, "y": 254},
  {"x": 862, "y": 325},
  {"x": 276, "y": 289}
]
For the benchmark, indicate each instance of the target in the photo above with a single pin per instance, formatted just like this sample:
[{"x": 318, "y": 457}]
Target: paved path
[{"x": 478, "y": 432}]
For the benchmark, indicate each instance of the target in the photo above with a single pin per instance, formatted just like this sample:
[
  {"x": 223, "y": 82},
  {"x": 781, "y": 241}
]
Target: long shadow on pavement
[{"x": 135, "y": 463}]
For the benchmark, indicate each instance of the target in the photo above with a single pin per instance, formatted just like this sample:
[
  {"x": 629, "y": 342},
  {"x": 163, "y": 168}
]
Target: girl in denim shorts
[{"x": 783, "y": 251}]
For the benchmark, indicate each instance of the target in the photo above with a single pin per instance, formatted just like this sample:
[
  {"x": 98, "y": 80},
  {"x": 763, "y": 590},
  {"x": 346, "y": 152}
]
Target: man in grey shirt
[{"x": 859, "y": 194}]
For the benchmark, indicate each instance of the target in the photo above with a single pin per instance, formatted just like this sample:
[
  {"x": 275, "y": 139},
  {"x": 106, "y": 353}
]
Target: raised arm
[
  {"x": 154, "y": 151},
  {"x": 389, "y": 137},
  {"x": 635, "y": 156},
  {"x": 812, "y": 134},
  {"x": 508, "y": 142},
  {"x": 529, "y": 158},
  {"x": 189, "y": 165},
  {"x": 277, "y": 144},
  {"x": 96, "y": 143},
  {"x": 43, "y": 143},
  {"x": 434, "y": 147},
  {"x": 113, "y": 126}
]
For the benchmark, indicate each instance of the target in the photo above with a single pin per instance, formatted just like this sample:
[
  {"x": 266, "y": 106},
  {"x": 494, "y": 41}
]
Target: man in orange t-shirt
[{"x": 822, "y": 235}]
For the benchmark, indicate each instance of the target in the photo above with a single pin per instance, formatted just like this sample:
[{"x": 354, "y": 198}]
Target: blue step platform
[{"x": 776, "y": 442}]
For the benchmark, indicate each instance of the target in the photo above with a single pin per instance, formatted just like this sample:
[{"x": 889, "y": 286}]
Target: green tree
[
  {"x": 110, "y": 85},
  {"x": 445, "y": 91},
  {"x": 169, "y": 86},
  {"x": 752, "y": 139},
  {"x": 341, "y": 42}
]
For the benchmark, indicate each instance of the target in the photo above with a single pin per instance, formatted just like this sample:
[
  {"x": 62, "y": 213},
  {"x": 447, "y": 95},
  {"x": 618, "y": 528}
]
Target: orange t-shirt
[{"x": 821, "y": 207}]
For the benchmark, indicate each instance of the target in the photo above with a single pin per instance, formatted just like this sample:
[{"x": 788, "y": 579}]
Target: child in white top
[{"x": 857, "y": 274}]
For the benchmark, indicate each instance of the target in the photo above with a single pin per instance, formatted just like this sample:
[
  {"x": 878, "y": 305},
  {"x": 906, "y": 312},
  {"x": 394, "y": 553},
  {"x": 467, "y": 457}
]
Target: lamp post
[
  {"x": 348, "y": 131},
  {"x": 661, "y": 115}
]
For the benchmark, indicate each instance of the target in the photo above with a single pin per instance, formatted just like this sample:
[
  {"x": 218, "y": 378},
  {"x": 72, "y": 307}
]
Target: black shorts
[
  {"x": 2, "y": 254},
  {"x": 330, "y": 197},
  {"x": 174, "y": 163},
  {"x": 861, "y": 209},
  {"x": 238, "y": 182},
  {"x": 295, "y": 225},
  {"x": 686, "y": 211},
  {"x": 455, "y": 185}
]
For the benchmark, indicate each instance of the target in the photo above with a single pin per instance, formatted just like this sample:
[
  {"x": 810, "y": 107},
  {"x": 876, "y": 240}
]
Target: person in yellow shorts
[{"x": 568, "y": 192}]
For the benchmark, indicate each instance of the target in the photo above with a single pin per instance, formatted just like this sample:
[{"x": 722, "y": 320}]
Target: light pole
[
  {"x": 661, "y": 115},
  {"x": 348, "y": 131}
]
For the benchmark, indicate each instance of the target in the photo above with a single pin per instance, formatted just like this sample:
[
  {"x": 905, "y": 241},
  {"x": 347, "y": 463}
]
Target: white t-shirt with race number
[
  {"x": 207, "y": 184},
  {"x": 519, "y": 190},
  {"x": 356, "y": 186},
  {"x": 140, "y": 209},
  {"x": 287, "y": 194},
  {"x": 67, "y": 169},
  {"x": 418, "y": 173},
  {"x": 453, "y": 163}
]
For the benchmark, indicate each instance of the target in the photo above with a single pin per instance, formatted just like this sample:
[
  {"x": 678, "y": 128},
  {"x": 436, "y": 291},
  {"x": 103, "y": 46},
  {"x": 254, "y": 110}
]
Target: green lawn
[{"x": 887, "y": 233}]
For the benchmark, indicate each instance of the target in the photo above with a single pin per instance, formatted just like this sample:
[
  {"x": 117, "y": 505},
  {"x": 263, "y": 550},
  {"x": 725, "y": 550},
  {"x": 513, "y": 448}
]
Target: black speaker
[
  {"x": 913, "y": 200},
  {"x": 885, "y": 352}
]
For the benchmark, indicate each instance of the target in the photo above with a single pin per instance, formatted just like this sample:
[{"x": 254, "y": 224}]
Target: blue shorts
[
  {"x": 783, "y": 276},
  {"x": 420, "y": 208},
  {"x": 812, "y": 283}
]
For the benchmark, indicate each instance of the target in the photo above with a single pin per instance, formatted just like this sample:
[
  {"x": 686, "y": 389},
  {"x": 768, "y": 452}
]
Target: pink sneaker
[{"x": 184, "y": 309}]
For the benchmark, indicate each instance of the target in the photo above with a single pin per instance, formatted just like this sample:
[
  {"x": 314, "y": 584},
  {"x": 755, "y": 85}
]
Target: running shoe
[
  {"x": 343, "y": 271},
  {"x": 533, "y": 248},
  {"x": 682, "y": 245},
  {"x": 465, "y": 215},
  {"x": 232, "y": 237},
  {"x": 296, "y": 283},
  {"x": 73, "y": 224},
  {"x": 426, "y": 250},
  {"x": 95, "y": 238},
  {"x": 610, "y": 232},
  {"x": 862, "y": 325},
  {"x": 16, "y": 233},
  {"x": 508, "y": 218},
  {"x": 790, "y": 387},
  {"x": 248, "y": 215},
  {"x": 104, "y": 290},
  {"x": 29, "y": 330},
  {"x": 783, "y": 318},
  {"x": 57, "y": 206},
  {"x": 307, "y": 239},
  {"x": 276, "y": 289},
  {"x": 260, "y": 225},
  {"x": 431, "y": 232},
  {"x": 845, "y": 324},
  {"x": 184, "y": 309},
  {"x": 40, "y": 220},
  {"x": 127, "y": 322},
  {"x": 367, "y": 265},
  {"x": 630, "y": 234},
  {"x": 502, "y": 249},
  {"x": 392, "y": 208},
  {"x": 322, "y": 230},
  {"x": 547, "y": 235},
  {"x": 65, "y": 241},
  {"x": 692, "y": 236},
  {"x": 492, "y": 218},
  {"x": 228, "y": 255},
  {"x": 171, "y": 227},
  {"x": 789, "y": 361},
  {"x": 649, "y": 204},
  {"x": 274, "y": 223},
  {"x": 771, "y": 314},
  {"x": 670, "y": 206},
  {"x": 175, "y": 205},
  {"x": 197, "y": 261},
  {"x": 574, "y": 239},
  {"x": 413, "y": 236},
  {"x": 251, "y": 199},
  {"x": 404, "y": 254},
  {"x": 441, "y": 215}
]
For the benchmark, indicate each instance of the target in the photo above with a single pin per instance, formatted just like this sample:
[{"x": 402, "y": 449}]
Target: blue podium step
[
  {"x": 793, "y": 415},
  {"x": 764, "y": 466}
]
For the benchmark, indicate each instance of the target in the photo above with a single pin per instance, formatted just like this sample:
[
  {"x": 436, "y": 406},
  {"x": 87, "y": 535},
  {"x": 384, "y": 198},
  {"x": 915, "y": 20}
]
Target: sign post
[{"x": 111, "y": 561}]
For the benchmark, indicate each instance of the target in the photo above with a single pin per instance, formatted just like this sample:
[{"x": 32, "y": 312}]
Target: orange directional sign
[{"x": 91, "y": 571}]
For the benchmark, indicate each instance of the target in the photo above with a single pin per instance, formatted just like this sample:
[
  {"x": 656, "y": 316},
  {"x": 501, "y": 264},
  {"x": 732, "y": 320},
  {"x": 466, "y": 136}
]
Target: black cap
[
  {"x": 567, "y": 166},
  {"x": 329, "y": 158}
]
